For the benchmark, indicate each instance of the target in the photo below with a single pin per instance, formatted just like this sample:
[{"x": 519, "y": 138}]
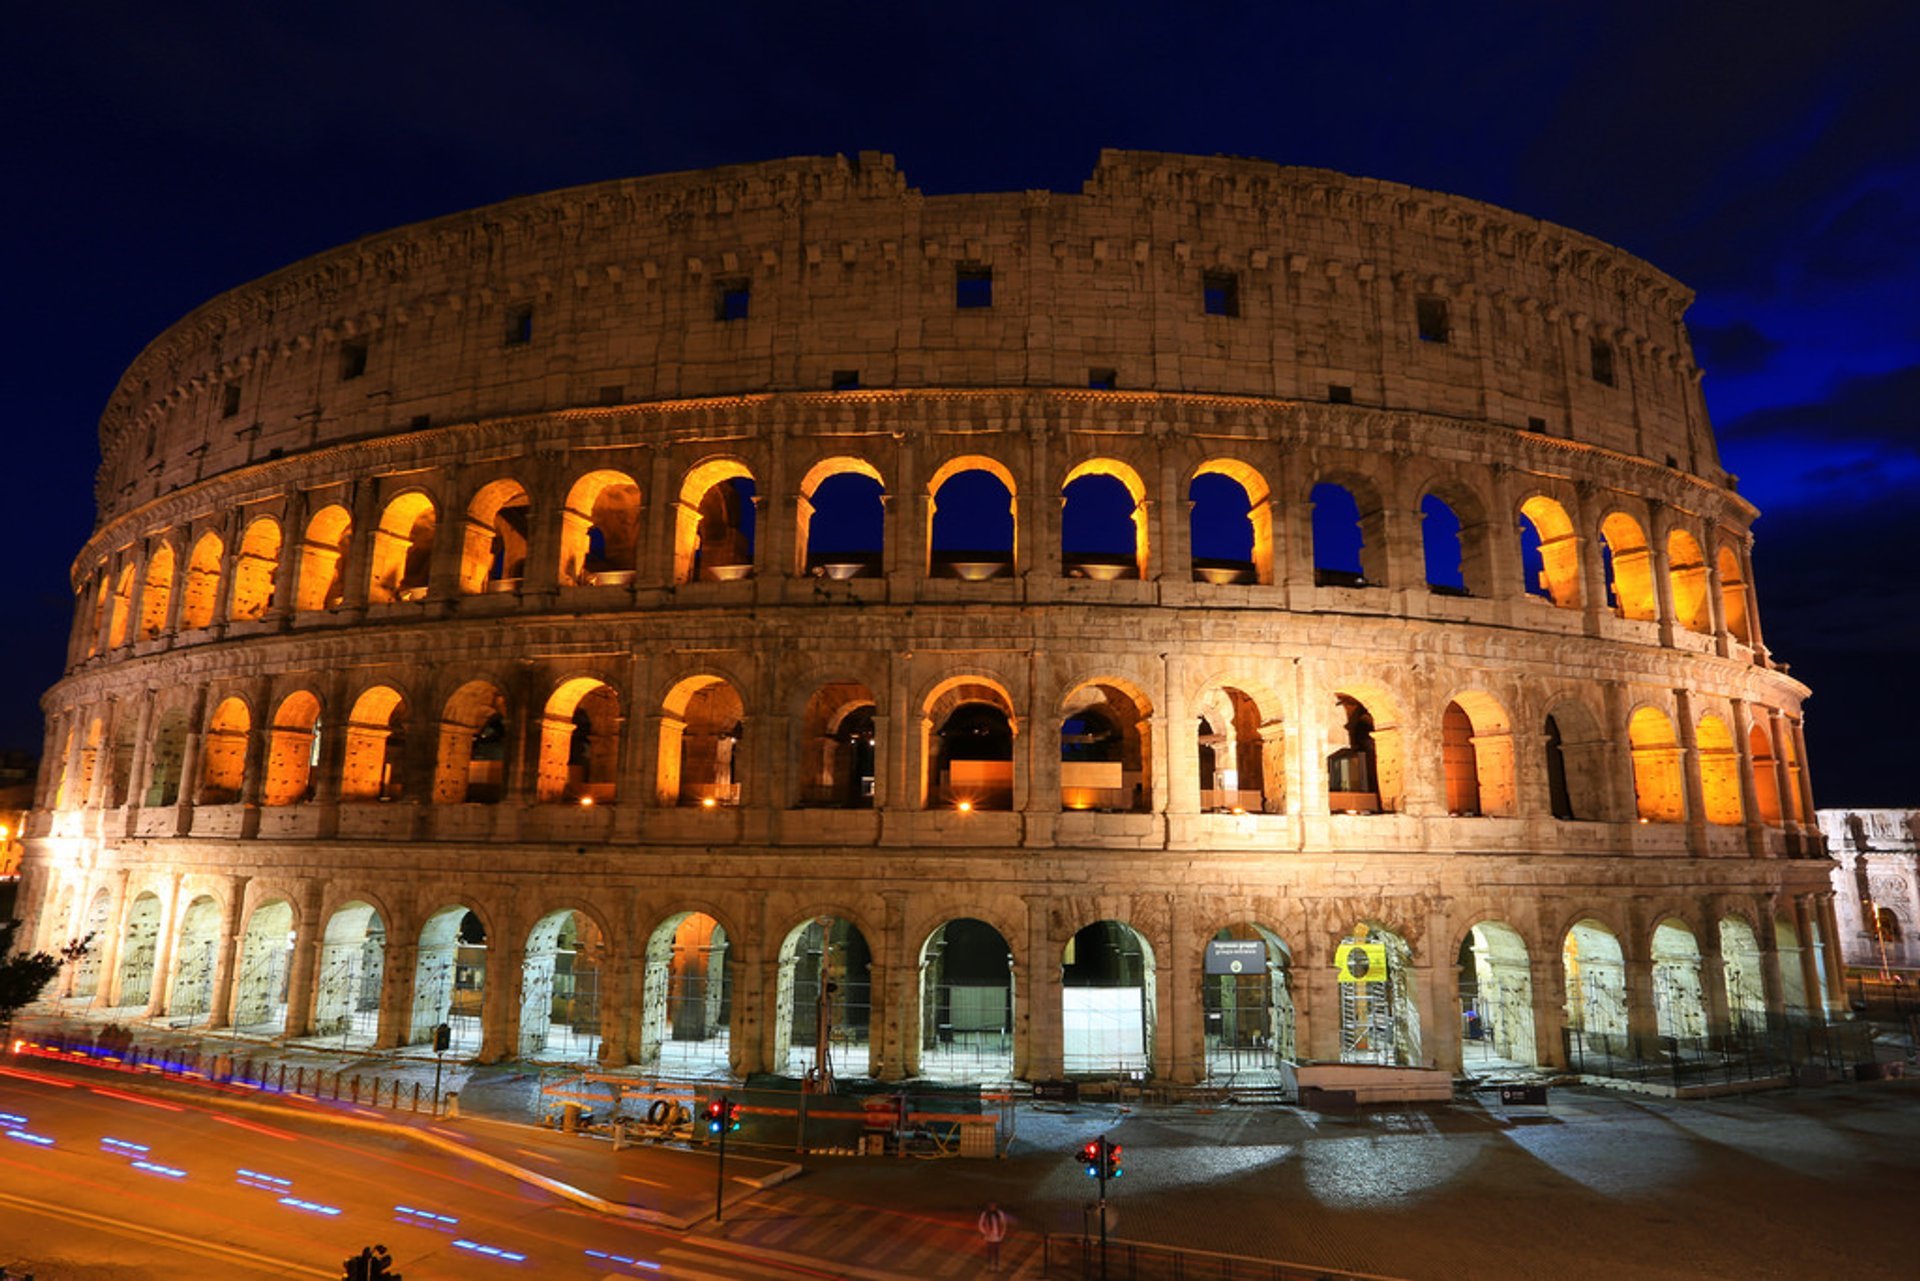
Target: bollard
[
  {"x": 453, "y": 1104},
  {"x": 356, "y": 1087},
  {"x": 619, "y": 1135},
  {"x": 300, "y": 1081},
  {"x": 416, "y": 1096},
  {"x": 570, "y": 1118},
  {"x": 283, "y": 1078}
]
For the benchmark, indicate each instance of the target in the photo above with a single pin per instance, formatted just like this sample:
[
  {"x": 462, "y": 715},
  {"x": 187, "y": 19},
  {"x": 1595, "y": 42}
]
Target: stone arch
[
  {"x": 579, "y": 743},
  {"x": 1364, "y": 762},
  {"x": 837, "y": 747},
  {"x": 1106, "y": 746},
  {"x": 1247, "y": 1004},
  {"x": 156, "y": 592},
  {"x": 374, "y": 766},
  {"x": 560, "y": 987},
  {"x": 1687, "y": 572},
  {"x": 493, "y": 541},
  {"x": 196, "y": 950},
  {"x": 256, "y": 567},
  {"x": 223, "y": 752},
  {"x": 1476, "y": 747},
  {"x": 1109, "y": 1014},
  {"x": 1379, "y": 1005},
  {"x": 967, "y": 732},
  {"x": 702, "y": 725},
  {"x": 1742, "y": 967},
  {"x": 1104, "y": 517},
  {"x": 102, "y": 593},
  {"x": 1659, "y": 795},
  {"x": 1736, "y": 598},
  {"x": 166, "y": 759},
  {"x": 1000, "y": 552},
  {"x": 347, "y": 989},
  {"x": 1214, "y": 512},
  {"x": 1496, "y": 994},
  {"x": 1348, "y": 519},
  {"x": 1595, "y": 969},
  {"x": 1766, "y": 782},
  {"x": 1679, "y": 1004},
  {"x": 450, "y": 977},
  {"x": 1240, "y": 748},
  {"x": 470, "y": 764},
  {"x": 1719, "y": 772},
  {"x": 1576, "y": 749},
  {"x": 323, "y": 553},
  {"x": 686, "y": 1008},
  {"x": 266, "y": 953},
  {"x": 1549, "y": 551},
  {"x": 293, "y": 749},
  {"x": 85, "y": 980},
  {"x": 200, "y": 596},
  {"x": 118, "y": 629},
  {"x": 840, "y": 519},
  {"x": 1628, "y": 564},
  {"x": 1456, "y": 539},
  {"x": 823, "y": 1000},
  {"x": 402, "y": 555},
  {"x": 713, "y": 536},
  {"x": 967, "y": 1002},
  {"x": 600, "y": 530},
  {"x": 139, "y": 942}
]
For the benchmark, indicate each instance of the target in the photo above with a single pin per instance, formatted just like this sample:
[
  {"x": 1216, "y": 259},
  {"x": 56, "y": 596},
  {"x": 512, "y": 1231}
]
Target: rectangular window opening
[
  {"x": 230, "y": 401},
  {"x": 1339, "y": 394},
  {"x": 520, "y": 324},
  {"x": 1537, "y": 424},
  {"x": 846, "y": 379},
  {"x": 1102, "y": 379},
  {"x": 612, "y": 394},
  {"x": 353, "y": 360},
  {"x": 972, "y": 285},
  {"x": 1431, "y": 316},
  {"x": 1602, "y": 362},
  {"x": 1220, "y": 293},
  {"x": 735, "y": 300}
]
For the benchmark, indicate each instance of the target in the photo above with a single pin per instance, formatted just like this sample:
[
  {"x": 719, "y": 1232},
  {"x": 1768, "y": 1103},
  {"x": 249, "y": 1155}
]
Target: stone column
[
  {"x": 1548, "y": 978},
  {"x": 1835, "y": 985},
  {"x": 142, "y": 754},
  {"x": 1749, "y": 794},
  {"x": 304, "y": 965},
  {"x": 397, "y": 961},
  {"x": 1657, "y": 529},
  {"x": 1797, "y": 728},
  {"x": 1813, "y": 982},
  {"x": 357, "y": 562},
  {"x": 1713, "y": 986},
  {"x": 1716, "y": 603},
  {"x": 161, "y": 993},
  {"x": 1696, "y": 817},
  {"x": 500, "y": 999},
  {"x": 1772, "y": 987},
  {"x": 1643, "y": 1021},
  {"x": 227, "y": 954},
  {"x": 190, "y": 761},
  {"x": 1180, "y": 1049},
  {"x": 286, "y": 568},
  {"x": 893, "y": 1004},
  {"x": 1044, "y": 1057}
]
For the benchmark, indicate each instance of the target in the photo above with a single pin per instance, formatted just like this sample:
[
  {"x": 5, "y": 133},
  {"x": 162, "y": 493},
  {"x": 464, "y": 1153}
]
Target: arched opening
[
  {"x": 122, "y": 608},
  {"x": 700, "y": 737},
  {"x": 402, "y": 550},
  {"x": 1230, "y": 523},
  {"x": 1628, "y": 563},
  {"x": 1241, "y": 754},
  {"x": 580, "y": 743},
  {"x": 1793, "y": 984},
  {"x": 1476, "y": 750},
  {"x": 449, "y": 979},
  {"x": 687, "y": 999},
  {"x": 493, "y": 543},
  {"x": 80, "y": 792},
  {"x": 1658, "y": 793},
  {"x": 260, "y": 989},
  {"x": 1734, "y": 599},
  {"x": 470, "y": 766},
  {"x": 968, "y": 536},
  {"x": 322, "y": 553},
  {"x": 1549, "y": 552},
  {"x": 1248, "y": 1005},
  {"x": 1105, "y": 747},
  {"x": 823, "y": 1001},
  {"x": 600, "y": 530},
  {"x": 842, "y": 520},
  {"x": 1339, "y": 544},
  {"x": 966, "y": 1003},
  {"x": 1453, "y": 537},
  {"x": 1679, "y": 1006},
  {"x": 137, "y": 947},
  {"x": 1719, "y": 772},
  {"x": 560, "y": 989},
  {"x": 98, "y": 618},
  {"x": 837, "y": 747},
  {"x": 166, "y": 759},
  {"x": 1746, "y": 988},
  {"x": 1596, "y": 978},
  {"x": 353, "y": 957},
  {"x": 1103, "y": 522},
  {"x": 375, "y": 764},
  {"x": 967, "y": 744},
  {"x": 120, "y": 762},
  {"x": 201, "y": 597},
  {"x": 1559, "y": 791},
  {"x": 293, "y": 749},
  {"x": 254, "y": 570},
  {"x": 1496, "y": 997},
  {"x": 86, "y": 971},
  {"x": 1576, "y": 751},
  {"x": 1687, "y": 572},
  {"x": 1766, "y": 782},
  {"x": 223, "y": 753},
  {"x": 714, "y": 528},
  {"x": 196, "y": 949},
  {"x": 1363, "y": 763},
  {"x": 1107, "y": 1010},
  {"x": 1379, "y": 1006},
  {"x": 156, "y": 592}
]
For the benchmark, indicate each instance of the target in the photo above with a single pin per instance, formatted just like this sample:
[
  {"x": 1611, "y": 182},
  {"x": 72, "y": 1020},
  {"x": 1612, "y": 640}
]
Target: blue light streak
[
  {"x": 491, "y": 1251},
  {"x": 294, "y": 1202},
  {"x": 424, "y": 1214},
  {"x": 265, "y": 1182},
  {"x": 11, "y": 1119},
  {"x": 622, "y": 1258},
  {"x": 124, "y": 1145},
  {"x": 38, "y": 1140},
  {"x": 165, "y": 1171}
]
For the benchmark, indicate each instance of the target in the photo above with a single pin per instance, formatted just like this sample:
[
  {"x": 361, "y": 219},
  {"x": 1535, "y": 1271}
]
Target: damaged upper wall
[{"x": 614, "y": 293}]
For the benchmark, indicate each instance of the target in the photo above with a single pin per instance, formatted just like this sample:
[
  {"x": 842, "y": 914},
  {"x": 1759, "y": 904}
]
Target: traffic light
[
  {"x": 723, "y": 1116},
  {"x": 372, "y": 1264},
  {"x": 1112, "y": 1158},
  {"x": 442, "y": 1038},
  {"x": 1101, "y": 1160},
  {"x": 1090, "y": 1157}
]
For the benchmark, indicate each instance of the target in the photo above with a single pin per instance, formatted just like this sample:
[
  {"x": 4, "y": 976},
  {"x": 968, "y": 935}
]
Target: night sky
[{"x": 1766, "y": 155}]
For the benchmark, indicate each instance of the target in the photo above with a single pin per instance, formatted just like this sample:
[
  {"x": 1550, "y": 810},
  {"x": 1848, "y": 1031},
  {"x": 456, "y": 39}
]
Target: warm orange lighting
[
  {"x": 965, "y": 807},
  {"x": 586, "y": 800},
  {"x": 707, "y": 802},
  {"x": 1238, "y": 809}
]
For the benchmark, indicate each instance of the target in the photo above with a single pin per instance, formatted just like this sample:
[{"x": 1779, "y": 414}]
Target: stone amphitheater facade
[{"x": 454, "y": 639}]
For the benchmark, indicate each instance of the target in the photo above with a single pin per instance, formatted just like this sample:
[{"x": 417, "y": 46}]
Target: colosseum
[{"x": 769, "y": 619}]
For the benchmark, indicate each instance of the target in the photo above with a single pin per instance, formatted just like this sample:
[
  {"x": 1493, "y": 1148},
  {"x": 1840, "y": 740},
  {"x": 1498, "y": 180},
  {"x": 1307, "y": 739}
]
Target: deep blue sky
[{"x": 1768, "y": 155}]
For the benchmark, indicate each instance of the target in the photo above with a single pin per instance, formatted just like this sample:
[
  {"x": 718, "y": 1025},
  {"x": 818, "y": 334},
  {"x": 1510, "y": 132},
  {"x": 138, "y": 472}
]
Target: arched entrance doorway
[
  {"x": 1108, "y": 1015},
  {"x": 449, "y": 979},
  {"x": 190, "y": 992},
  {"x": 966, "y": 1003},
  {"x": 137, "y": 947},
  {"x": 86, "y": 971},
  {"x": 352, "y": 964},
  {"x": 1248, "y": 1004},
  {"x": 1496, "y": 998},
  {"x": 824, "y": 1000},
  {"x": 1746, "y": 989},
  {"x": 1596, "y": 974},
  {"x": 686, "y": 1001},
  {"x": 260, "y": 992},
  {"x": 1379, "y": 1009},
  {"x": 1679, "y": 1006},
  {"x": 560, "y": 989}
]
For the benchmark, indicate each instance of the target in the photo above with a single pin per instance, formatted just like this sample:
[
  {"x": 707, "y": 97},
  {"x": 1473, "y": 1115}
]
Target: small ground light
[
  {"x": 965, "y": 807},
  {"x": 707, "y": 803},
  {"x": 586, "y": 801}
]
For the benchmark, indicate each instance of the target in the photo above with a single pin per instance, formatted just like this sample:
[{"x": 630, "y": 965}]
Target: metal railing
[
  {"x": 1078, "y": 1257},
  {"x": 1757, "y": 1049}
]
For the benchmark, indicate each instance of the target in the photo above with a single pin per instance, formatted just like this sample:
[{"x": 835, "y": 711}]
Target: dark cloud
[
  {"x": 1879, "y": 408},
  {"x": 1872, "y": 237},
  {"x": 1738, "y": 348}
]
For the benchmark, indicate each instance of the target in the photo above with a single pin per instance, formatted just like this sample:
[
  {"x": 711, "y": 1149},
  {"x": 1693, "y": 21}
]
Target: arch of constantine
[{"x": 722, "y": 621}]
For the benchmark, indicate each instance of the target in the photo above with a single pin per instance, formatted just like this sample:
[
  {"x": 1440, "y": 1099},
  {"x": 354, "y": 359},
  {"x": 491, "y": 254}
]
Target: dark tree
[{"x": 22, "y": 976}]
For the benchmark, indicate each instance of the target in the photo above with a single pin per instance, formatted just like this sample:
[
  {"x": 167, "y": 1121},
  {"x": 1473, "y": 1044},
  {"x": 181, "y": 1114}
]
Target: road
[{"x": 102, "y": 1182}]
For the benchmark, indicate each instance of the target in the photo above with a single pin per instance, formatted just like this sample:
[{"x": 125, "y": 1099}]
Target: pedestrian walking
[{"x": 993, "y": 1227}]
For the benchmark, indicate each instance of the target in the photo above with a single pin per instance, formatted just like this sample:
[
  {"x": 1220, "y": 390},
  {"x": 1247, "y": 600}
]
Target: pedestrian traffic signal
[
  {"x": 1090, "y": 1157},
  {"x": 1112, "y": 1158},
  {"x": 723, "y": 1116},
  {"x": 1101, "y": 1159}
]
